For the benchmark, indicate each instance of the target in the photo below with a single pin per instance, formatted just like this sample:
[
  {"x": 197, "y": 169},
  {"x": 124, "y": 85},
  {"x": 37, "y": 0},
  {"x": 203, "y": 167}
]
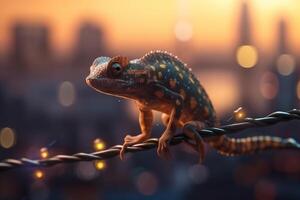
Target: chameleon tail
[{"x": 239, "y": 146}]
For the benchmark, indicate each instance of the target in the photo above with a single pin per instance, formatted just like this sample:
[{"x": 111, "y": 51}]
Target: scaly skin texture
[{"x": 160, "y": 81}]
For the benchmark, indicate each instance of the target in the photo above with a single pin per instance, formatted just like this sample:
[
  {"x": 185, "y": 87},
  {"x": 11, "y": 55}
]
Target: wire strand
[{"x": 271, "y": 119}]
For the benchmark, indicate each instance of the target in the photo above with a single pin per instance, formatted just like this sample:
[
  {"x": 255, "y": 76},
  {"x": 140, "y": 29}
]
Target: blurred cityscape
[{"x": 44, "y": 102}]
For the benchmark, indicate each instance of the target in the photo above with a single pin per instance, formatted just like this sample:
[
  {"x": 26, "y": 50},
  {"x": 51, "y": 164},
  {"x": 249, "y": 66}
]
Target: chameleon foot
[
  {"x": 131, "y": 140},
  {"x": 163, "y": 146},
  {"x": 190, "y": 130}
]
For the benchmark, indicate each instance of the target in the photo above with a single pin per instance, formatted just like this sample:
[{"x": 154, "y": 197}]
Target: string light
[
  {"x": 44, "y": 152},
  {"x": 99, "y": 144},
  {"x": 38, "y": 174},
  {"x": 100, "y": 164},
  {"x": 239, "y": 114}
]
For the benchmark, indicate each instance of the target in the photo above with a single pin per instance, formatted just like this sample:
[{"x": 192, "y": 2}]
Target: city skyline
[{"x": 122, "y": 35}]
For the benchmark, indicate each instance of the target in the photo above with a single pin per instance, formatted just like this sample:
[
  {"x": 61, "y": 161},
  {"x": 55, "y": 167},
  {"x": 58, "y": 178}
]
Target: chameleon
[{"x": 161, "y": 81}]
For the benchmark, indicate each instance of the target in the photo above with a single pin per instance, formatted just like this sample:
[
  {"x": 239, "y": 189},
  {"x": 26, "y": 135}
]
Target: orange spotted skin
[
  {"x": 160, "y": 81},
  {"x": 170, "y": 72}
]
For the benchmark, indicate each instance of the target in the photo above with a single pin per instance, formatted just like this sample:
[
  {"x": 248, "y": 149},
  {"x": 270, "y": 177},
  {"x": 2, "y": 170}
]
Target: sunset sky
[{"x": 150, "y": 24}]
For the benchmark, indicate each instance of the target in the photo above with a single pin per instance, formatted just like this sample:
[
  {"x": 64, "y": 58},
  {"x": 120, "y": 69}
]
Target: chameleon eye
[{"x": 116, "y": 69}]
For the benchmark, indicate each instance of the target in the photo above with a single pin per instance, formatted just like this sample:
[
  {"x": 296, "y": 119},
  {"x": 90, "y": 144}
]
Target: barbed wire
[{"x": 271, "y": 119}]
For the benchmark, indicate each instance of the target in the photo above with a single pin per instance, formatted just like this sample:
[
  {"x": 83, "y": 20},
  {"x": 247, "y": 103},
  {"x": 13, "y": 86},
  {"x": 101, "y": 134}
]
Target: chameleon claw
[
  {"x": 163, "y": 147},
  {"x": 122, "y": 151},
  {"x": 131, "y": 140}
]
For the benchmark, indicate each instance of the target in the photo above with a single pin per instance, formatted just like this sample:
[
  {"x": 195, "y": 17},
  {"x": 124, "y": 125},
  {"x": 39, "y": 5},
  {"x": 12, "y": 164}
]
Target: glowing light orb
[
  {"x": 183, "y": 31},
  {"x": 38, "y": 174},
  {"x": 7, "y": 138},
  {"x": 66, "y": 94},
  {"x": 147, "y": 183},
  {"x": 44, "y": 152},
  {"x": 99, "y": 144},
  {"x": 239, "y": 114},
  {"x": 286, "y": 64},
  {"x": 100, "y": 164},
  {"x": 247, "y": 56},
  {"x": 269, "y": 85}
]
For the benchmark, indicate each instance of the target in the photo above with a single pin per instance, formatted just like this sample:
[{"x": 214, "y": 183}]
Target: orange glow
[
  {"x": 7, "y": 138},
  {"x": 220, "y": 85},
  {"x": 44, "y": 152},
  {"x": 100, "y": 164},
  {"x": 128, "y": 22},
  {"x": 99, "y": 144},
  {"x": 269, "y": 85},
  {"x": 239, "y": 114},
  {"x": 38, "y": 174},
  {"x": 247, "y": 56},
  {"x": 183, "y": 31}
]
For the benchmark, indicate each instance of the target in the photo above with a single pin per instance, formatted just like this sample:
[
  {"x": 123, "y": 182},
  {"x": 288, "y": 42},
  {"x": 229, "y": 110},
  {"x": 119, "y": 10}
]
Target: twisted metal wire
[{"x": 271, "y": 119}]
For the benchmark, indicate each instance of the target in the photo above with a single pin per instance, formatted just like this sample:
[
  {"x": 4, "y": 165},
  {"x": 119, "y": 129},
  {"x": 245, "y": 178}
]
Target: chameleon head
[{"x": 110, "y": 76}]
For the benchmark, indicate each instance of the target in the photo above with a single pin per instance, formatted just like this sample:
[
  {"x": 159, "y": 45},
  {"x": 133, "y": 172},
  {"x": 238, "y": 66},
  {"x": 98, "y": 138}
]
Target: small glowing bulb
[
  {"x": 38, "y": 174},
  {"x": 239, "y": 114},
  {"x": 44, "y": 152},
  {"x": 99, "y": 144},
  {"x": 100, "y": 164}
]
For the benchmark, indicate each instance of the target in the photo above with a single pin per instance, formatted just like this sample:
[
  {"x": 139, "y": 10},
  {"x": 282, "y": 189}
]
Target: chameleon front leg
[
  {"x": 174, "y": 99},
  {"x": 145, "y": 121}
]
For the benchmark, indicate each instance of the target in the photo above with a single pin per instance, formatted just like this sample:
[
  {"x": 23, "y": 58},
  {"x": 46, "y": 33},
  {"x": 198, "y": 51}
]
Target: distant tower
[
  {"x": 90, "y": 44},
  {"x": 246, "y": 56},
  {"x": 284, "y": 67},
  {"x": 244, "y": 25},
  {"x": 31, "y": 48}
]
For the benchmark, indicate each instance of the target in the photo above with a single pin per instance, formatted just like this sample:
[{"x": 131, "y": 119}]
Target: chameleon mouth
[{"x": 106, "y": 84}]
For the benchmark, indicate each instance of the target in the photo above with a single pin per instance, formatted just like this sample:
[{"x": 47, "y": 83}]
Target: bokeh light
[
  {"x": 99, "y": 144},
  {"x": 44, "y": 152},
  {"x": 66, "y": 94},
  {"x": 198, "y": 173},
  {"x": 269, "y": 85},
  {"x": 247, "y": 56},
  {"x": 7, "y": 138},
  {"x": 183, "y": 31},
  {"x": 100, "y": 164},
  {"x": 286, "y": 64},
  {"x": 39, "y": 174},
  {"x": 298, "y": 89},
  {"x": 147, "y": 183},
  {"x": 86, "y": 171}
]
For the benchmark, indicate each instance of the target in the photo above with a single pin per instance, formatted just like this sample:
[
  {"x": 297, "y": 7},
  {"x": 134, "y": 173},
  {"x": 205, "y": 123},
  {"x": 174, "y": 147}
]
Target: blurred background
[{"x": 244, "y": 52}]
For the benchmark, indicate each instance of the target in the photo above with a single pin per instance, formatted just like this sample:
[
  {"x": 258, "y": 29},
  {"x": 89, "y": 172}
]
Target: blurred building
[
  {"x": 284, "y": 67},
  {"x": 89, "y": 44},
  {"x": 30, "y": 47}
]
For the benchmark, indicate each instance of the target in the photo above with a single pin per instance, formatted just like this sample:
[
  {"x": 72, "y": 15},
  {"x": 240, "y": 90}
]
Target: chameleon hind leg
[
  {"x": 190, "y": 129},
  {"x": 197, "y": 143},
  {"x": 145, "y": 121}
]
